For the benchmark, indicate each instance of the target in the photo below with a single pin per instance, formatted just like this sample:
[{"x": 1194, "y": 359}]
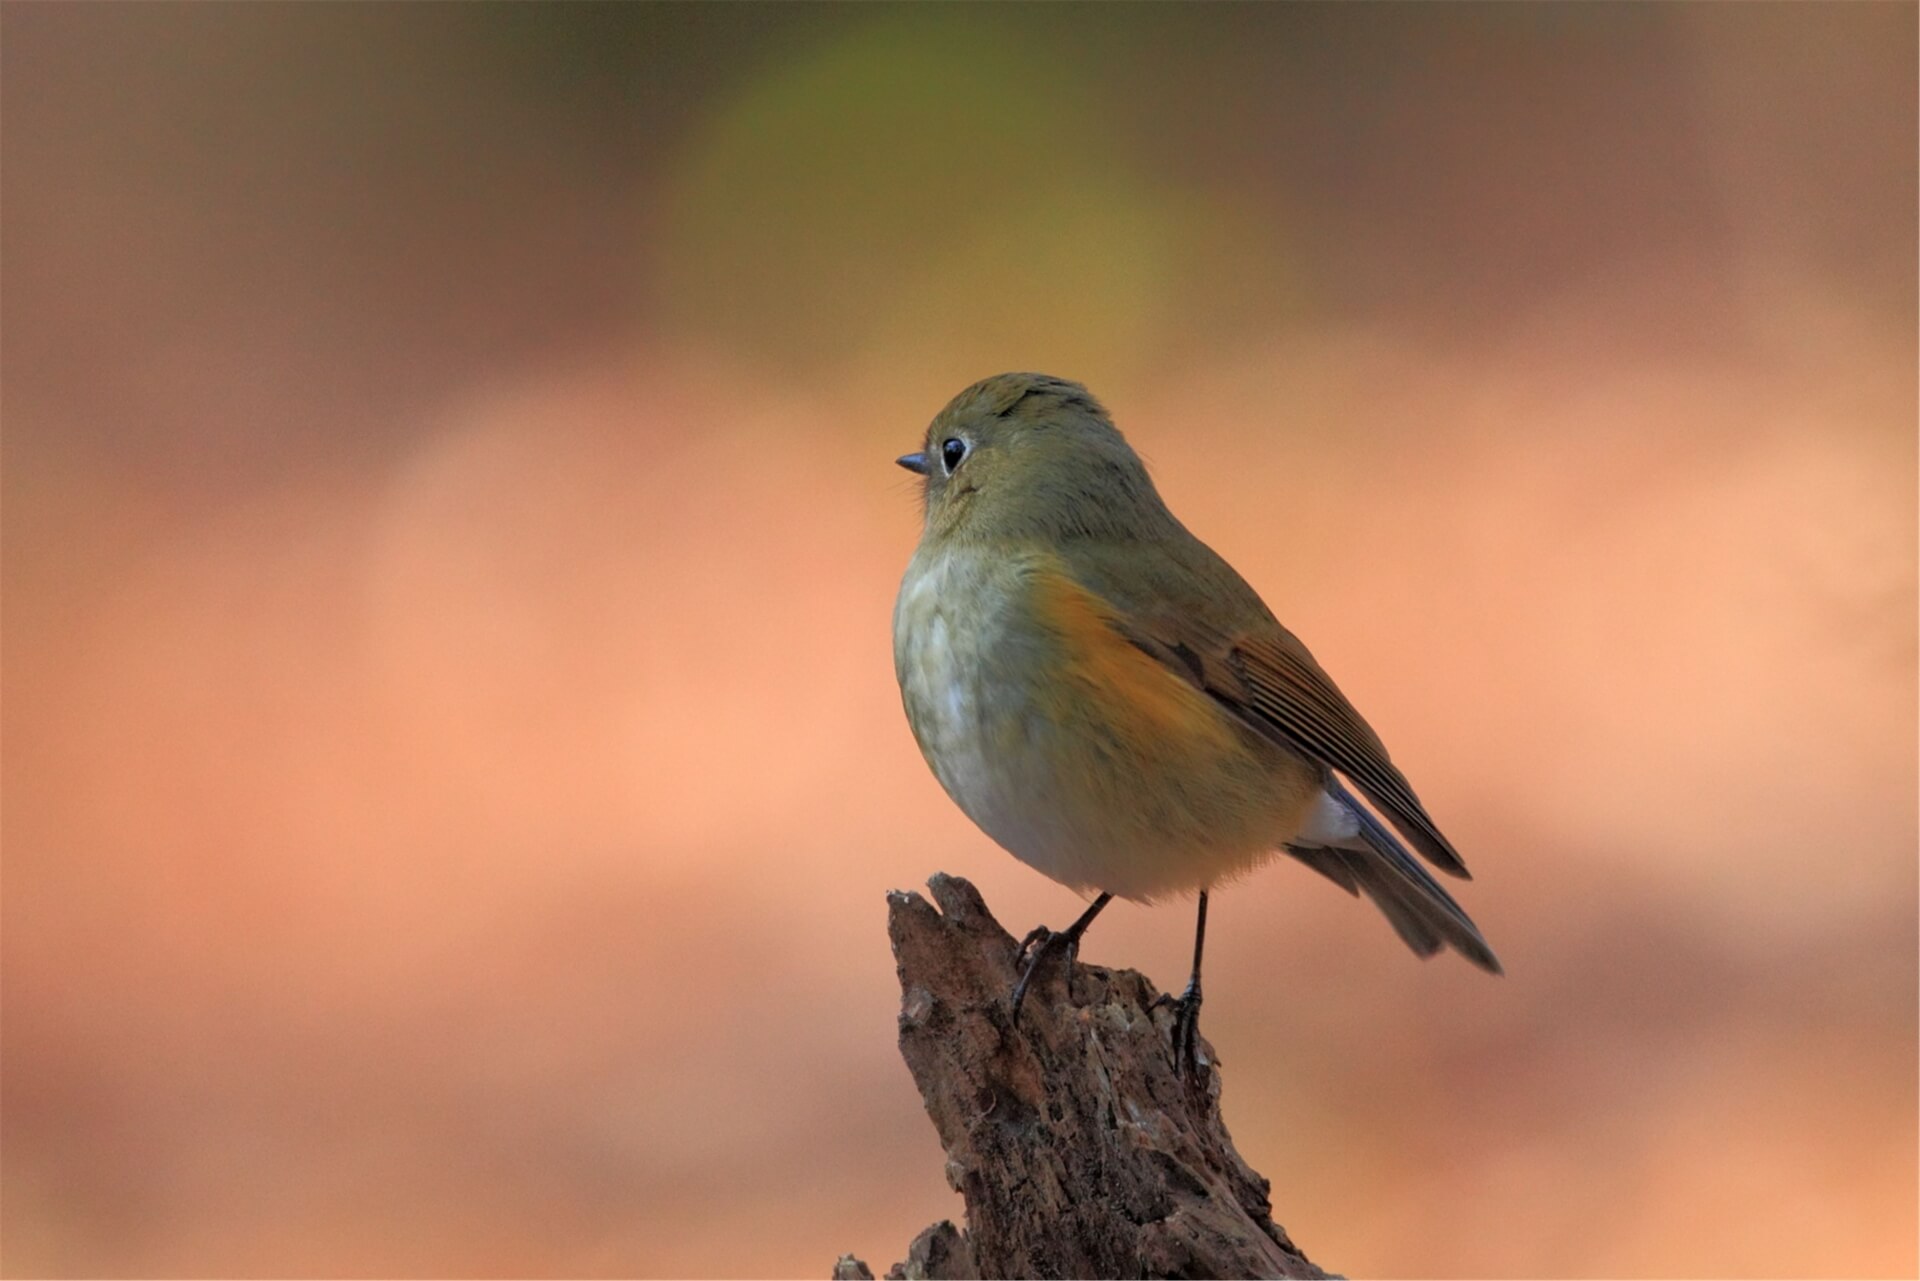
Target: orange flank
[{"x": 1127, "y": 678}]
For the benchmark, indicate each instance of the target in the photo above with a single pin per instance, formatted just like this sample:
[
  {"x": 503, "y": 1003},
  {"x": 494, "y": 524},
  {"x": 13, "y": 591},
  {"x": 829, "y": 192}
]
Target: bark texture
[{"x": 1079, "y": 1150}]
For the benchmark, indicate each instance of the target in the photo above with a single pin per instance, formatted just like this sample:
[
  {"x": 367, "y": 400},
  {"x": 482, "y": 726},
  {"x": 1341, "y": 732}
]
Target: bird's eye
[{"x": 953, "y": 451}]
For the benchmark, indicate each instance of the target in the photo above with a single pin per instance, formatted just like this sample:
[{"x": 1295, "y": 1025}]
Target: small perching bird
[{"x": 1108, "y": 700}]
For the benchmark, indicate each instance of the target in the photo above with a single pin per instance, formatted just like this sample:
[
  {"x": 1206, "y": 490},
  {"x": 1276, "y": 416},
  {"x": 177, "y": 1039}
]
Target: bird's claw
[
  {"x": 1038, "y": 934},
  {"x": 1033, "y": 953},
  {"x": 1186, "y": 1036}
]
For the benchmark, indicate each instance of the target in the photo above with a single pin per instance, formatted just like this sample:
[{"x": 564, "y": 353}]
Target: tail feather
[{"x": 1375, "y": 863}]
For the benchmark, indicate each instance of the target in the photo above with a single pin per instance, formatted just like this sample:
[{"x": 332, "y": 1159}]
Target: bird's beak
[{"x": 915, "y": 463}]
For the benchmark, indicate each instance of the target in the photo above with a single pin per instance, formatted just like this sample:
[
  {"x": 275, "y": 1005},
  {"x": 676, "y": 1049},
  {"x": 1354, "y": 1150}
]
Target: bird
[{"x": 1109, "y": 701}]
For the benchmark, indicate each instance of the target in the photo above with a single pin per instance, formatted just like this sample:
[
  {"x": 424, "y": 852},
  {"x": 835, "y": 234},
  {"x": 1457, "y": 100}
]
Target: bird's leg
[
  {"x": 1186, "y": 1018},
  {"x": 1041, "y": 940}
]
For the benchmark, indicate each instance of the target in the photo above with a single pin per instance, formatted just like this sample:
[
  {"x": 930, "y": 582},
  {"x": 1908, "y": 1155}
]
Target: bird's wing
[{"x": 1265, "y": 677}]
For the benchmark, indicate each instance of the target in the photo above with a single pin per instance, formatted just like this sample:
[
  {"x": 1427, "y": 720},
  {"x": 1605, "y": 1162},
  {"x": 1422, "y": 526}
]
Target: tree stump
[{"x": 1079, "y": 1150}]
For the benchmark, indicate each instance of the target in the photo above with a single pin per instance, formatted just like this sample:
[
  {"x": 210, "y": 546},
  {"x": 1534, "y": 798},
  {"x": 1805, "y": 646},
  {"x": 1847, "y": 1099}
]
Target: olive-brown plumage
[{"x": 1108, "y": 700}]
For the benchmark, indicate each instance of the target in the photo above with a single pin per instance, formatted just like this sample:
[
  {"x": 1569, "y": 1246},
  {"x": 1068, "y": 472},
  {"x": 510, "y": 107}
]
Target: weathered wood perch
[{"x": 1078, "y": 1149}]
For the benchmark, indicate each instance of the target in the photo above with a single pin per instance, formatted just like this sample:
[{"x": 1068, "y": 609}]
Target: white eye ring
[{"x": 953, "y": 452}]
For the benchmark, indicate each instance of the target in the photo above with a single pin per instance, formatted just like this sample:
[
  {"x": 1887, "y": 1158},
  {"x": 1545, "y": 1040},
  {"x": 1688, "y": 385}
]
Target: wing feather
[
  {"x": 1286, "y": 691},
  {"x": 1270, "y": 681}
]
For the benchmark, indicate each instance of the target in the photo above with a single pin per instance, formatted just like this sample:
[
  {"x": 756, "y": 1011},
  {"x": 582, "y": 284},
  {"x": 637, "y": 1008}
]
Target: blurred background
[{"x": 452, "y": 763}]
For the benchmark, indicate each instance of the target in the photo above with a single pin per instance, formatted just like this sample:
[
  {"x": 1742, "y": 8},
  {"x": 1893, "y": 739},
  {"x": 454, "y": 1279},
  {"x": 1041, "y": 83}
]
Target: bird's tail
[{"x": 1359, "y": 853}]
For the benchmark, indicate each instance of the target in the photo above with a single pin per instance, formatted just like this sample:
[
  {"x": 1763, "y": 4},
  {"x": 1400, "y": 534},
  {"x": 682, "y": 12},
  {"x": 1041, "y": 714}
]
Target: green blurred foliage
[{"x": 939, "y": 178}]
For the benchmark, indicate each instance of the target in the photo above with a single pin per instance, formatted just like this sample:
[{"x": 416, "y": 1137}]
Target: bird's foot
[
  {"x": 1033, "y": 952},
  {"x": 1186, "y": 1036}
]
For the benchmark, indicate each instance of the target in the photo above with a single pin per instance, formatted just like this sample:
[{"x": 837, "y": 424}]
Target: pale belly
[{"x": 1066, "y": 774}]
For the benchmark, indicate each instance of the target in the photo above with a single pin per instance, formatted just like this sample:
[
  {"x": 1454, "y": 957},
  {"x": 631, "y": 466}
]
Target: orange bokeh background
[{"x": 452, "y": 768}]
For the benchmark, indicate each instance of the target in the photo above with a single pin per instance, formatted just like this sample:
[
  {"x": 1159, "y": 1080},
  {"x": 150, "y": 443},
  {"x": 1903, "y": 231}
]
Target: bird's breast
[{"x": 1075, "y": 750}]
